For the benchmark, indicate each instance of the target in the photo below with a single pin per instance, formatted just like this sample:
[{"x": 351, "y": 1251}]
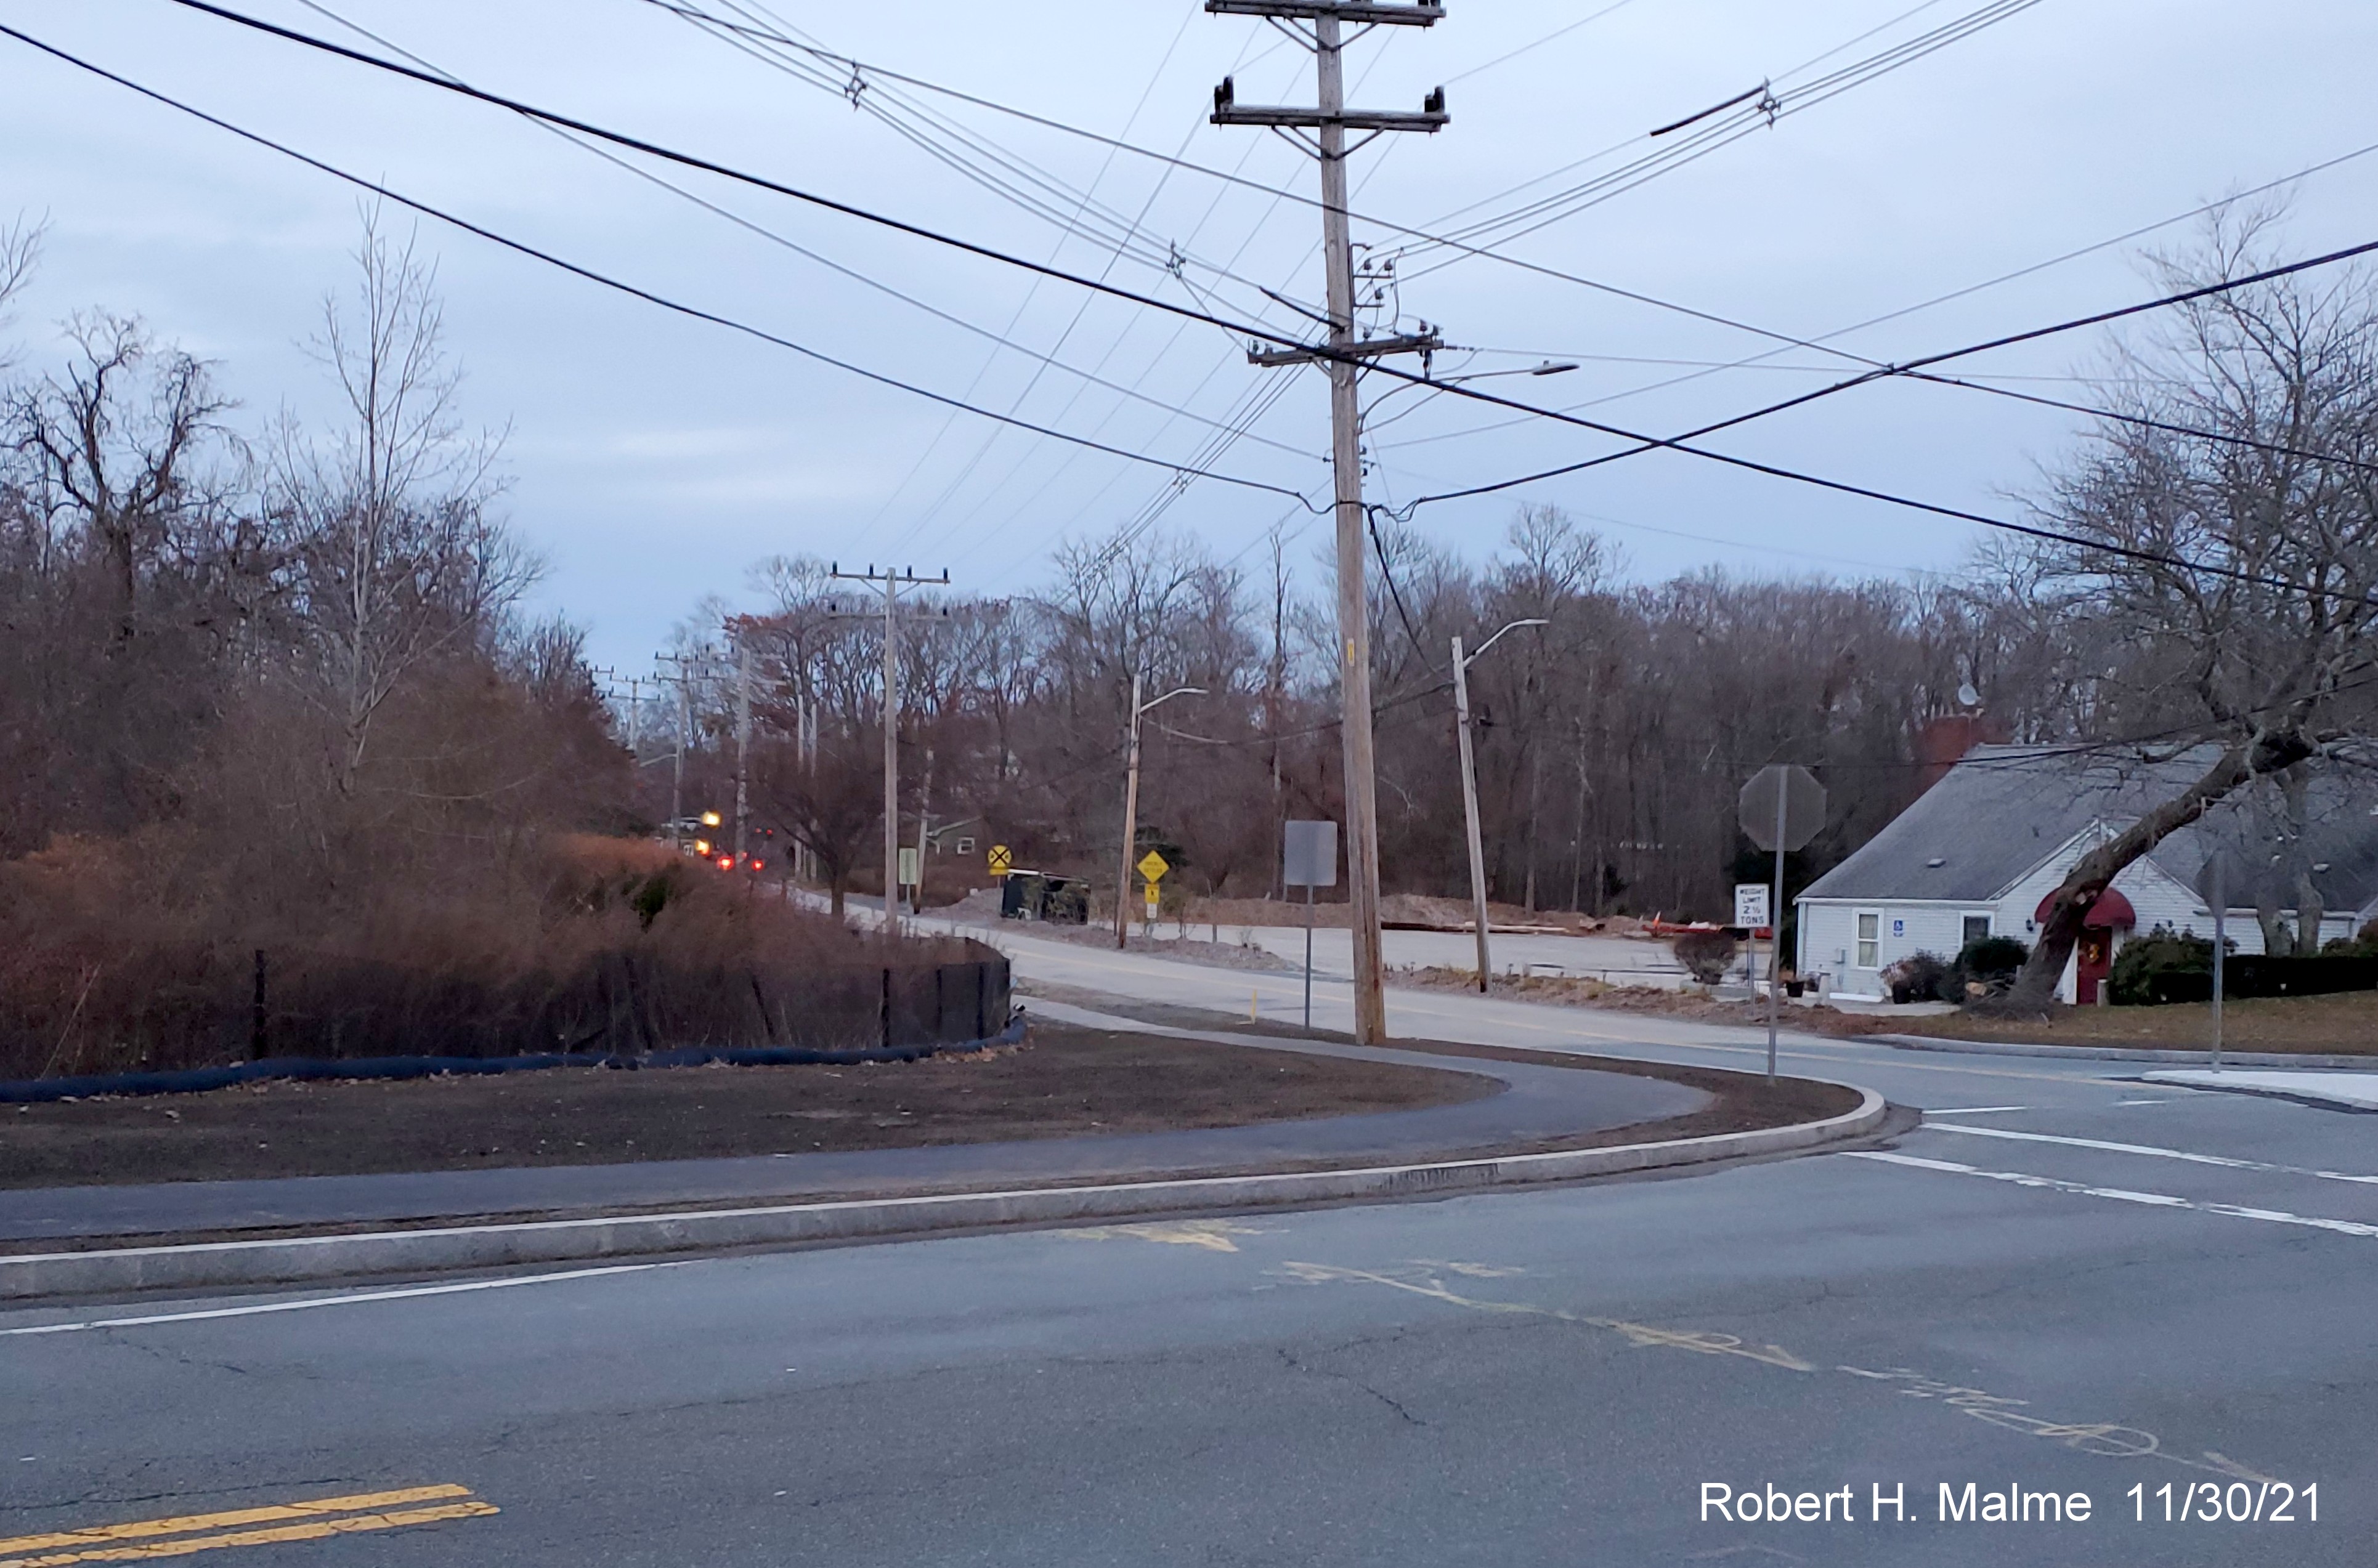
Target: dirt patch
[
  {"x": 1679, "y": 1001},
  {"x": 1402, "y": 909},
  {"x": 1062, "y": 1081},
  {"x": 1217, "y": 948}
]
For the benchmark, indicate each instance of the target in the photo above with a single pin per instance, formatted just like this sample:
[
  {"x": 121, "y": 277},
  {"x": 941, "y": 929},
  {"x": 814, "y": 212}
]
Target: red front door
[{"x": 2093, "y": 961}]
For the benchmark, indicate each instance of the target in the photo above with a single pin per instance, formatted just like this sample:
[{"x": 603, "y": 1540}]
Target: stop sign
[{"x": 1785, "y": 795}]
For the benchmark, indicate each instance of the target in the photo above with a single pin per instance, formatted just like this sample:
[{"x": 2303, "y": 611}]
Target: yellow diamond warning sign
[{"x": 1153, "y": 866}]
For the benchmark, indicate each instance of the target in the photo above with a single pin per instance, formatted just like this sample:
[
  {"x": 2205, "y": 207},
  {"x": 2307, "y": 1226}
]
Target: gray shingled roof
[{"x": 2005, "y": 809}]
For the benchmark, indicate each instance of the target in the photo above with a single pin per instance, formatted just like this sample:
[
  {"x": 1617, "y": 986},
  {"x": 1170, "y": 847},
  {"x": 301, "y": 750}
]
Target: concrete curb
[
  {"x": 299, "y": 1260},
  {"x": 2303, "y": 1095},
  {"x": 2120, "y": 1053}
]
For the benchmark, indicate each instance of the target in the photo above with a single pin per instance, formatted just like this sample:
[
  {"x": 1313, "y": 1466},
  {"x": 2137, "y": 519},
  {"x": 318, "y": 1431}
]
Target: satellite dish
[{"x": 1968, "y": 697}]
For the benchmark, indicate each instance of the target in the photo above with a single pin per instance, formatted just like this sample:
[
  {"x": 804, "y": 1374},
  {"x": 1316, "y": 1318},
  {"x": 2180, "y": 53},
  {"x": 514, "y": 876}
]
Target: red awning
[{"x": 2111, "y": 912}]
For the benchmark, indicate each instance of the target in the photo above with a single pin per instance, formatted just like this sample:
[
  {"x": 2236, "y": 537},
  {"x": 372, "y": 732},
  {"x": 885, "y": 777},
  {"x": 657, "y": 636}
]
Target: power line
[
  {"x": 1911, "y": 369},
  {"x": 620, "y": 285},
  {"x": 1281, "y": 194},
  {"x": 1558, "y": 32},
  {"x": 918, "y": 230},
  {"x": 773, "y": 237},
  {"x": 1899, "y": 55},
  {"x": 846, "y": 209},
  {"x": 1890, "y": 59},
  {"x": 1824, "y": 342},
  {"x": 1127, "y": 236},
  {"x": 1761, "y": 108},
  {"x": 710, "y": 166}
]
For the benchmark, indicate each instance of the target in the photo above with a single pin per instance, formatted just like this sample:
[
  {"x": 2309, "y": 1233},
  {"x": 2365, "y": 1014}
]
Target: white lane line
[
  {"x": 2155, "y": 1200},
  {"x": 1975, "y": 1110},
  {"x": 348, "y": 1300},
  {"x": 2224, "y": 1161}
]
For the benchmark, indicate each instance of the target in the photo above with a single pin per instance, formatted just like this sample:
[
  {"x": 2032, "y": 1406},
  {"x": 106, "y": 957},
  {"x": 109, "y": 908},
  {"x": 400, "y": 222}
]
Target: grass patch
[
  {"x": 1063, "y": 1082},
  {"x": 2342, "y": 1024}
]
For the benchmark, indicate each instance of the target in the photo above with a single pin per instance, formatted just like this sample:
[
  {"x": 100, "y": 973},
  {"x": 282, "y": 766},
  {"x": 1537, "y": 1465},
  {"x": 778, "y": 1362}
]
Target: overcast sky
[{"x": 652, "y": 458}]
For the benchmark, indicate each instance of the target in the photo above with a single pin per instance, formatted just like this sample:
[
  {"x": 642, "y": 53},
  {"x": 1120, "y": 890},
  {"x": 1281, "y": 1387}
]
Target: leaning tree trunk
[{"x": 2269, "y": 752}]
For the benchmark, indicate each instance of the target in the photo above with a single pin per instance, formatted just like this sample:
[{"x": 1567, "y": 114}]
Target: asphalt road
[{"x": 2067, "y": 1282}]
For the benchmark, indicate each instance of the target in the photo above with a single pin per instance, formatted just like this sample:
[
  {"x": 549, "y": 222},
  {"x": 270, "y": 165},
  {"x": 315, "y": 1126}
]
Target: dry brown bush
[{"x": 615, "y": 947}]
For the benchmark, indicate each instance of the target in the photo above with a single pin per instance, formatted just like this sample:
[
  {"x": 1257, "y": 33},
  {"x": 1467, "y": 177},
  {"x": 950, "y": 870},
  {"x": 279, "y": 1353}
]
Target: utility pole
[
  {"x": 742, "y": 747},
  {"x": 893, "y": 582},
  {"x": 1327, "y": 124},
  {"x": 924, "y": 829},
  {"x": 1470, "y": 790},
  {"x": 805, "y": 723},
  {"x": 1131, "y": 804},
  {"x": 1469, "y": 811},
  {"x": 687, "y": 669}
]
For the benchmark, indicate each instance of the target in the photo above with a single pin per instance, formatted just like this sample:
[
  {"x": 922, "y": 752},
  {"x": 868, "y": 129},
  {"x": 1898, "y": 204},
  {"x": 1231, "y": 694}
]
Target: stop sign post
[{"x": 1783, "y": 808}]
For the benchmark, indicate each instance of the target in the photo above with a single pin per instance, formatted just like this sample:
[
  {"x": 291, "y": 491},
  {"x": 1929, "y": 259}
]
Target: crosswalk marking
[
  {"x": 2082, "y": 1189},
  {"x": 2226, "y": 1161}
]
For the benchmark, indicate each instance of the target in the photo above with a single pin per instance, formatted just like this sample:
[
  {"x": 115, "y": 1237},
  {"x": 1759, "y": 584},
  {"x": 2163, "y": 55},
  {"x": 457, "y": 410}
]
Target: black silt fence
[{"x": 214, "y": 1008}]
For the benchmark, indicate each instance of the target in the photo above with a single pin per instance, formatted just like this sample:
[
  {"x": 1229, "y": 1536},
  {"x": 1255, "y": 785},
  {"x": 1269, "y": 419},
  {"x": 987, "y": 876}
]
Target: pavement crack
[{"x": 1295, "y": 1363}]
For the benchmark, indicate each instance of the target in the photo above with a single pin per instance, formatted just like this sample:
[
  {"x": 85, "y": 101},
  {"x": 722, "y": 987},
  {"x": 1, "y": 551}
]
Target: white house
[{"x": 1978, "y": 854}]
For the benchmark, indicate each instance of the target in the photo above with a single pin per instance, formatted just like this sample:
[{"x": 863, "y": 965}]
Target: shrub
[
  {"x": 2361, "y": 944},
  {"x": 1990, "y": 962},
  {"x": 1920, "y": 976},
  {"x": 614, "y": 946},
  {"x": 1706, "y": 955},
  {"x": 2144, "y": 970}
]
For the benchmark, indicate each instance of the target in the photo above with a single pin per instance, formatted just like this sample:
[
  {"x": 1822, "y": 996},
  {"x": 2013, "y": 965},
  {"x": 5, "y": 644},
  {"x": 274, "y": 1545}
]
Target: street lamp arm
[
  {"x": 1498, "y": 637},
  {"x": 1176, "y": 691}
]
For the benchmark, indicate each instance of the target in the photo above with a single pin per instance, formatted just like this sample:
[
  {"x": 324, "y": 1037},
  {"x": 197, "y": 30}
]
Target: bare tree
[
  {"x": 398, "y": 557},
  {"x": 2233, "y": 583},
  {"x": 116, "y": 440},
  {"x": 20, "y": 253}
]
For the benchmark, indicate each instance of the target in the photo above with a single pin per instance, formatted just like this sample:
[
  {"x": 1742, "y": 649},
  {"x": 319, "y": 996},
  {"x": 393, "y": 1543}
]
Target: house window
[
  {"x": 1870, "y": 940},
  {"x": 1977, "y": 927}
]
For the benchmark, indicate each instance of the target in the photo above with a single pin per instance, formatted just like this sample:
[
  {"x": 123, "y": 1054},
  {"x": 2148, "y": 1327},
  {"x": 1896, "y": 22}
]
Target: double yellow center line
[{"x": 145, "y": 1538}]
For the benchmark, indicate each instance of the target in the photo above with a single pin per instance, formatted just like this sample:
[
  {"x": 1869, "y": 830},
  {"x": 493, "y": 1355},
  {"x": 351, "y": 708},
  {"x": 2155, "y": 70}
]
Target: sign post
[
  {"x": 2223, "y": 875},
  {"x": 1152, "y": 866},
  {"x": 1308, "y": 860},
  {"x": 1781, "y": 808}
]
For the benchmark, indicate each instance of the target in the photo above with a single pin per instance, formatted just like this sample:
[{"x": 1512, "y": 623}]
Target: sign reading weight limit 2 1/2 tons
[{"x": 1750, "y": 905}]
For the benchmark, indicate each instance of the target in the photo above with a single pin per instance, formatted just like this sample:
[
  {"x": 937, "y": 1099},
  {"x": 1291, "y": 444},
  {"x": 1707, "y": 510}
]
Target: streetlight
[
  {"x": 1470, "y": 788},
  {"x": 1131, "y": 804},
  {"x": 1434, "y": 384}
]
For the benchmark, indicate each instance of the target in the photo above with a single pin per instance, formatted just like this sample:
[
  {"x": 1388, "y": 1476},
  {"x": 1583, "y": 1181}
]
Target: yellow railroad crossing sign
[
  {"x": 1153, "y": 866},
  {"x": 1001, "y": 862}
]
